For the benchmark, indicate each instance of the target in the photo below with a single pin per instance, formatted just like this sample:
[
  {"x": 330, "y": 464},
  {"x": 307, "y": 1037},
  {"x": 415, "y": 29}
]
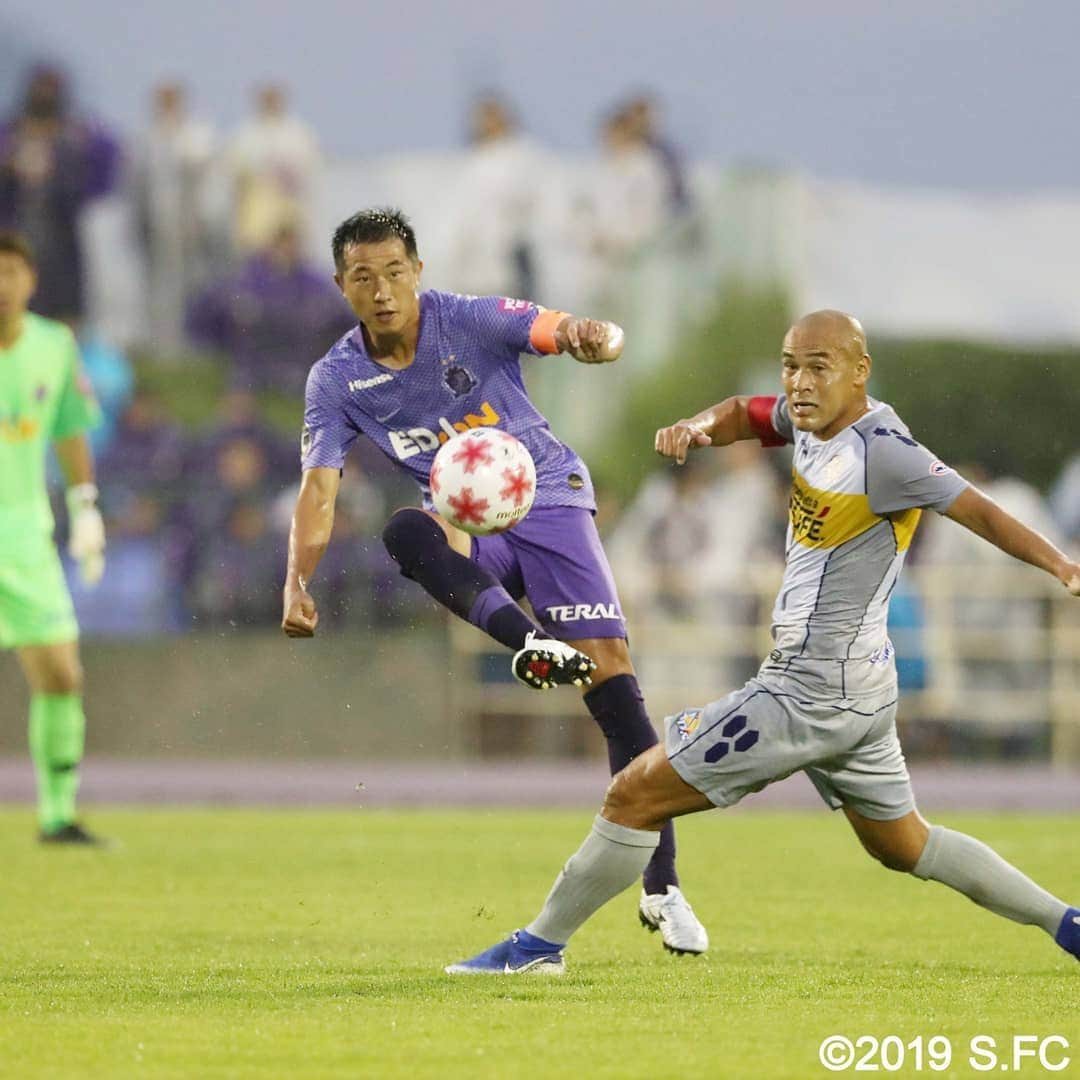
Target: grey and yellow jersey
[{"x": 855, "y": 502}]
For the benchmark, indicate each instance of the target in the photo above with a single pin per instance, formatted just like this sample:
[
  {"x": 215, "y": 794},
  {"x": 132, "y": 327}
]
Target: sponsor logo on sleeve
[
  {"x": 939, "y": 468},
  {"x": 508, "y": 304}
]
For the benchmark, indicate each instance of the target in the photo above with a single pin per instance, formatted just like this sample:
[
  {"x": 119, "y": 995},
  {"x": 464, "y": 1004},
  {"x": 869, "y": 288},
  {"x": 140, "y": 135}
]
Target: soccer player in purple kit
[{"x": 419, "y": 367}]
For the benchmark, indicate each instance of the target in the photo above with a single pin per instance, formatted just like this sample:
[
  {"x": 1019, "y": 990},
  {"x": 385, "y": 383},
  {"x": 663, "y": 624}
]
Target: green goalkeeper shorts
[{"x": 35, "y": 604}]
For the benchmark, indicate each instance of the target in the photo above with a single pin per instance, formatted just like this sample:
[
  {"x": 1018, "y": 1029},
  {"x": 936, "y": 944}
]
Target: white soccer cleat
[
  {"x": 546, "y": 662},
  {"x": 673, "y": 916}
]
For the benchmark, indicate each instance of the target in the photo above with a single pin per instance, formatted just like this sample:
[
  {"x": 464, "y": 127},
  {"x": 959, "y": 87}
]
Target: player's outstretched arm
[
  {"x": 720, "y": 425},
  {"x": 985, "y": 518},
  {"x": 86, "y": 530},
  {"x": 312, "y": 524}
]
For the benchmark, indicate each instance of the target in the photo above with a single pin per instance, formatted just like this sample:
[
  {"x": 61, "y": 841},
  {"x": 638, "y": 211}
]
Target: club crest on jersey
[
  {"x": 418, "y": 440},
  {"x": 687, "y": 722},
  {"x": 459, "y": 380},
  {"x": 837, "y": 465}
]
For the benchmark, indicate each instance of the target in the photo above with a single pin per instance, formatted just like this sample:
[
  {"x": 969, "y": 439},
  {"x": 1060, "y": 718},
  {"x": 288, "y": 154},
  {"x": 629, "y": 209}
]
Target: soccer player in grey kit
[
  {"x": 419, "y": 367},
  {"x": 824, "y": 700}
]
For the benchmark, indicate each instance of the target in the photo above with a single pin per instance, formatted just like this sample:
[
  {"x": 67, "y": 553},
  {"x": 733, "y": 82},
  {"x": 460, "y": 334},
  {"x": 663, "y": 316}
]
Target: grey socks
[
  {"x": 969, "y": 866},
  {"x": 611, "y": 859}
]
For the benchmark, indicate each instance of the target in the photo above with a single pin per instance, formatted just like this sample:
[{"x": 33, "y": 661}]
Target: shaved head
[
  {"x": 830, "y": 329},
  {"x": 825, "y": 369}
]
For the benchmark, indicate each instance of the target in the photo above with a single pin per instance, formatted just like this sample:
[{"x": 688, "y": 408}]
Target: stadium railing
[{"x": 996, "y": 652}]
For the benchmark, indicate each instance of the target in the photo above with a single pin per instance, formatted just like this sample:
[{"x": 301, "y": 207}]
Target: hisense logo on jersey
[
  {"x": 417, "y": 440},
  {"x": 367, "y": 384}
]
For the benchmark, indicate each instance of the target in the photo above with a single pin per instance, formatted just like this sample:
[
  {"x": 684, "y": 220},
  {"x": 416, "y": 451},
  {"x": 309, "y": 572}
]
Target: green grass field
[{"x": 311, "y": 944}]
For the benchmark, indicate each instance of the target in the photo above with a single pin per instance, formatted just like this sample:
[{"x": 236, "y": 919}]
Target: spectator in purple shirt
[
  {"x": 51, "y": 165},
  {"x": 238, "y": 417},
  {"x": 147, "y": 452},
  {"x": 236, "y": 581},
  {"x": 271, "y": 316},
  {"x": 140, "y": 501}
]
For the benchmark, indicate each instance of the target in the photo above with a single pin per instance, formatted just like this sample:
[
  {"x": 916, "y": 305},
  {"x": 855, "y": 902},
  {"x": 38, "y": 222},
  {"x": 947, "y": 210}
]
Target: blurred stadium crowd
[{"x": 198, "y": 514}]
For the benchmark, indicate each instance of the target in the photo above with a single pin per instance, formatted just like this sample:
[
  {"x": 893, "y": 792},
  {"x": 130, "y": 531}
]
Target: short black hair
[
  {"x": 370, "y": 227},
  {"x": 14, "y": 243}
]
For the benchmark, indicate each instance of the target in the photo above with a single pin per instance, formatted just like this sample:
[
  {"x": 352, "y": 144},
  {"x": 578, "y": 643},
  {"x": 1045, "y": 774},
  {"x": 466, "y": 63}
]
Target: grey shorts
[{"x": 768, "y": 730}]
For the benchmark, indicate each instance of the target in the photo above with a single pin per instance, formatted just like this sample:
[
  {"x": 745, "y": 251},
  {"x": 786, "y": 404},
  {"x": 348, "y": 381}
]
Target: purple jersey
[{"x": 467, "y": 373}]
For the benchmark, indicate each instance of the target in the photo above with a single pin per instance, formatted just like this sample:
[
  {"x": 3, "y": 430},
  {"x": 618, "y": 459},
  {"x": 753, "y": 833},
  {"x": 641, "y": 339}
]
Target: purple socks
[{"x": 417, "y": 544}]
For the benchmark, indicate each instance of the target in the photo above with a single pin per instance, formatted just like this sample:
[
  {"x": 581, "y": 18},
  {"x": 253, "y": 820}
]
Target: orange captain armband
[
  {"x": 542, "y": 332},
  {"x": 759, "y": 413}
]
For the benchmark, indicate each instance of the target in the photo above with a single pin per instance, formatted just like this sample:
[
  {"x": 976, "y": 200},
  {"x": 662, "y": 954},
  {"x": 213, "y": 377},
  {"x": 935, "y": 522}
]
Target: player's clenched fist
[
  {"x": 300, "y": 618},
  {"x": 592, "y": 341},
  {"x": 676, "y": 441},
  {"x": 1070, "y": 578}
]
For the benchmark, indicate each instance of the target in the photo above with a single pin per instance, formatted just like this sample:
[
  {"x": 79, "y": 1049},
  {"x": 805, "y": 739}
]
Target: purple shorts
[{"x": 555, "y": 558}]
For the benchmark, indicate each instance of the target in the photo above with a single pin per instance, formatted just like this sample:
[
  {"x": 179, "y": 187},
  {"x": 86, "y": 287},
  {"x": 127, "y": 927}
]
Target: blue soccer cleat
[
  {"x": 1068, "y": 935},
  {"x": 519, "y": 954}
]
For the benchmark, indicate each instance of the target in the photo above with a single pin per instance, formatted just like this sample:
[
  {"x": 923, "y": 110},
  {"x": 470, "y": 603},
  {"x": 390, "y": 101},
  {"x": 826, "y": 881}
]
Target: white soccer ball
[{"x": 483, "y": 481}]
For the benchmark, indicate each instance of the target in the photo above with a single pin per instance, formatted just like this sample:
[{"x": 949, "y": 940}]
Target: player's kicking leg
[
  {"x": 616, "y": 704},
  {"x": 436, "y": 556},
  {"x": 644, "y": 797},
  {"x": 57, "y": 727},
  {"x": 933, "y": 853},
  {"x": 557, "y": 553}
]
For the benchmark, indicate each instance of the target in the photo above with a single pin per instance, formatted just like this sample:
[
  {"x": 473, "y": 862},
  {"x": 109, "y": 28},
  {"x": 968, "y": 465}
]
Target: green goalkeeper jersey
[{"x": 44, "y": 395}]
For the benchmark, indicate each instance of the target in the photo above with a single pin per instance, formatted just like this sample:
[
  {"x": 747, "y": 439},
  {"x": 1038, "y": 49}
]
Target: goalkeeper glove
[{"x": 86, "y": 532}]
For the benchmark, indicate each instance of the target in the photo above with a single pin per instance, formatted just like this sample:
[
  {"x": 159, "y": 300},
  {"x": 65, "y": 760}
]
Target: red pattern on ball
[
  {"x": 473, "y": 453},
  {"x": 518, "y": 485},
  {"x": 467, "y": 508}
]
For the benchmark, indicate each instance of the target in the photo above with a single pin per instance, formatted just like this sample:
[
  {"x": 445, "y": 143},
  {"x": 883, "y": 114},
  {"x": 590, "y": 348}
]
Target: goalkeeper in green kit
[{"x": 44, "y": 397}]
